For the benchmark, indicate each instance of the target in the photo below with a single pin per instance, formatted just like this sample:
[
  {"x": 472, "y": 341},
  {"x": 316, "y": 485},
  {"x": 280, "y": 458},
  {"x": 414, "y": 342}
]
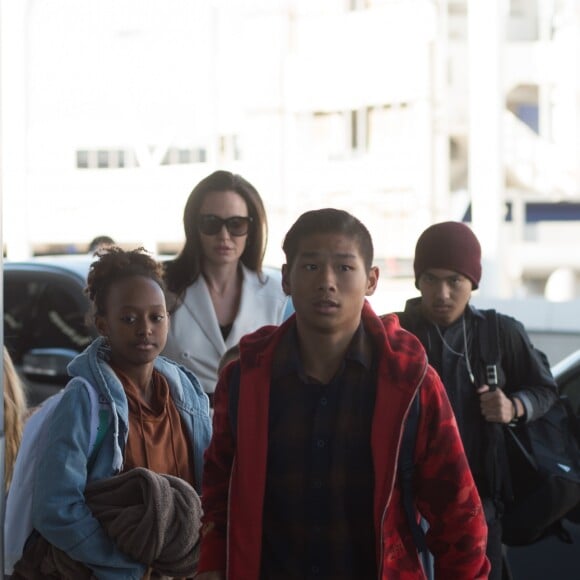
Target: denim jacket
[{"x": 59, "y": 511}]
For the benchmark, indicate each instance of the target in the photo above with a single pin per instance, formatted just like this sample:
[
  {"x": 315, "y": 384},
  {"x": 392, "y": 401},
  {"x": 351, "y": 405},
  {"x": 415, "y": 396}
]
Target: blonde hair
[{"x": 14, "y": 416}]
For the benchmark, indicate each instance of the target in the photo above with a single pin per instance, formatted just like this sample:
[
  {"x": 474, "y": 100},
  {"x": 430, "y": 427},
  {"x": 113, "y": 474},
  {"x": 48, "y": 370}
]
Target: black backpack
[{"x": 544, "y": 461}]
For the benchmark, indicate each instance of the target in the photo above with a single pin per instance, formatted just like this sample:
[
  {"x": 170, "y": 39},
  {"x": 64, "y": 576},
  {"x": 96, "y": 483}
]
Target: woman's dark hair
[
  {"x": 187, "y": 266},
  {"x": 114, "y": 264},
  {"x": 328, "y": 221}
]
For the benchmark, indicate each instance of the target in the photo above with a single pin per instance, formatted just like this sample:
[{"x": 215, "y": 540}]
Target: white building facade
[{"x": 404, "y": 112}]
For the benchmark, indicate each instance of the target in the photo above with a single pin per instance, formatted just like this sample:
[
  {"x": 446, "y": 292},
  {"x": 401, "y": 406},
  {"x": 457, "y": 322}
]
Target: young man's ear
[
  {"x": 373, "y": 280},
  {"x": 286, "y": 279}
]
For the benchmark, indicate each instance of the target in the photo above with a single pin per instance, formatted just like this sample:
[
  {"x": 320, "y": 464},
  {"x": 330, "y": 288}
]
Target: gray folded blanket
[{"x": 153, "y": 518}]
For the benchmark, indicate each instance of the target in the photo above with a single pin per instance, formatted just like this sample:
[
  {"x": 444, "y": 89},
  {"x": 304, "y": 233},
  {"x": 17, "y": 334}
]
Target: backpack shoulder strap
[
  {"x": 406, "y": 472},
  {"x": 234, "y": 397},
  {"x": 403, "y": 319},
  {"x": 489, "y": 350},
  {"x": 495, "y": 460}
]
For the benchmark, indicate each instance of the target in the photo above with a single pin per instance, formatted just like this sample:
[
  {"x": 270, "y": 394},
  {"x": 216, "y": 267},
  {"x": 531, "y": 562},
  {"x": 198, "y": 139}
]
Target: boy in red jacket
[{"x": 300, "y": 479}]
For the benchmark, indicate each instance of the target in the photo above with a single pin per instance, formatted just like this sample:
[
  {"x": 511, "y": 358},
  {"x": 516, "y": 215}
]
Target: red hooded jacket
[{"x": 445, "y": 494}]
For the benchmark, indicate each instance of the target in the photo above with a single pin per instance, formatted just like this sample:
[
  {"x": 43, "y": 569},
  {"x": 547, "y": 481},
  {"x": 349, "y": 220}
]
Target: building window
[
  {"x": 359, "y": 129},
  {"x": 389, "y": 127},
  {"x": 102, "y": 159},
  {"x": 392, "y": 137},
  {"x": 82, "y": 159},
  {"x": 328, "y": 135},
  {"x": 353, "y": 5},
  {"x": 335, "y": 135},
  {"x": 229, "y": 147},
  {"x": 105, "y": 159},
  {"x": 354, "y": 125},
  {"x": 184, "y": 155}
]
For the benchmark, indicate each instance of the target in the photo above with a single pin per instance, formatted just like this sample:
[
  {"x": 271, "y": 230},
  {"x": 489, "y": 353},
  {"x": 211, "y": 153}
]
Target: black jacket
[{"x": 524, "y": 372}]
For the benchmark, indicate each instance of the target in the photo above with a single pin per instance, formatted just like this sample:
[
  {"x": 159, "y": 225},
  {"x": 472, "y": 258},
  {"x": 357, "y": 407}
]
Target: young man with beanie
[
  {"x": 301, "y": 476},
  {"x": 447, "y": 268}
]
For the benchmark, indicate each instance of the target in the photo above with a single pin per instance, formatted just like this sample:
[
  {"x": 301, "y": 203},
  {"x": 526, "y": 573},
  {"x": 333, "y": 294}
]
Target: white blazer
[{"x": 195, "y": 340}]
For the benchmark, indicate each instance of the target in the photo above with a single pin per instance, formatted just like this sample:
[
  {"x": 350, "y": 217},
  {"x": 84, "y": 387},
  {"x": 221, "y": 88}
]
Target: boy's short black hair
[{"x": 328, "y": 221}]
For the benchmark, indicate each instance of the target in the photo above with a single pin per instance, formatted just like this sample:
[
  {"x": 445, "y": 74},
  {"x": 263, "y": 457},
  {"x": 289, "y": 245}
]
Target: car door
[{"x": 45, "y": 324}]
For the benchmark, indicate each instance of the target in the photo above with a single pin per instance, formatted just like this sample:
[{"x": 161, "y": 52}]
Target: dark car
[
  {"x": 550, "y": 557},
  {"x": 567, "y": 374},
  {"x": 45, "y": 319}
]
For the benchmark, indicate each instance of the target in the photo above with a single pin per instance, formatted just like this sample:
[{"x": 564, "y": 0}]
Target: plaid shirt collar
[{"x": 287, "y": 358}]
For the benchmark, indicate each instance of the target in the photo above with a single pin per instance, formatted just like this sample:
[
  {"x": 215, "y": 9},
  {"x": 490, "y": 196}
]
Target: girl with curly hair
[{"x": 156, "y": 420}]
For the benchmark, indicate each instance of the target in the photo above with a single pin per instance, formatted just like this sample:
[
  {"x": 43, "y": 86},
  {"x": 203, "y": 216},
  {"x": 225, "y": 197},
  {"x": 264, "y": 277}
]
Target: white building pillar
[
  {"x": 486, "y": 34},
  {"x": 14, "y": 28},
  {"x": 440, "y": 102}
]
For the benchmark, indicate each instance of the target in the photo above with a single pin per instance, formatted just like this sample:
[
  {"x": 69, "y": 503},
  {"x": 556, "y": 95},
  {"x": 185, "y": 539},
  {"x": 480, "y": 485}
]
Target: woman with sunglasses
[{"x": 218, "y": 291}]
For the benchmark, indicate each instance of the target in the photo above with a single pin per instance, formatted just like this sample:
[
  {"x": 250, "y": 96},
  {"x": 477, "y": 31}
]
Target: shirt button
[
  {"x": 320, "y": 443},
  {"x": 323, "y": 401},
  {"x": 315, "y": 569},
  {"x": 317, "y": 483}
]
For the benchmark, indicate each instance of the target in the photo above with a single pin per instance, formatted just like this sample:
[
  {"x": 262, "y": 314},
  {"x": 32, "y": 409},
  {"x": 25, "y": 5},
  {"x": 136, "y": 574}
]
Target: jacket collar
[{"x": 197, "y": 302}]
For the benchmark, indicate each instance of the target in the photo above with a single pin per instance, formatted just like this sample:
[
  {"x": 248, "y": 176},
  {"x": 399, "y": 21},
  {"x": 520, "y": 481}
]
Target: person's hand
[
  {"x": 496, "y": 407},
  {"x": 212, "y": 575}
]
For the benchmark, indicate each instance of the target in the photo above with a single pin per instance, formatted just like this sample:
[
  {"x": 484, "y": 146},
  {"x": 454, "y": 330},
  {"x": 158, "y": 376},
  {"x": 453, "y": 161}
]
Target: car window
[
  {"x": 43, "y": 312},
  {"x": 570, "y": 386}
]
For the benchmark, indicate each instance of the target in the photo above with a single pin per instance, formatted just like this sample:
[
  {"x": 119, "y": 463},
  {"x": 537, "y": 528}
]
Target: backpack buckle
[{"x": 491, "y": 374}]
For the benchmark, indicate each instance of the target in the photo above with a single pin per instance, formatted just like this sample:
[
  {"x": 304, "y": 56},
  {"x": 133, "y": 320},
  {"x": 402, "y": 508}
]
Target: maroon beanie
[{"x": 450, "y": 246}]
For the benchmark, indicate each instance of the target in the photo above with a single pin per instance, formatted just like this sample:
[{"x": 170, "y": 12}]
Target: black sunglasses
[{"x": 237, "y": 225}]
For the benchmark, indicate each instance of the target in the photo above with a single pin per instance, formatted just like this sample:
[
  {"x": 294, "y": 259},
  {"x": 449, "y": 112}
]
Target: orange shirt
[{"x": 157, "y": 439}]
